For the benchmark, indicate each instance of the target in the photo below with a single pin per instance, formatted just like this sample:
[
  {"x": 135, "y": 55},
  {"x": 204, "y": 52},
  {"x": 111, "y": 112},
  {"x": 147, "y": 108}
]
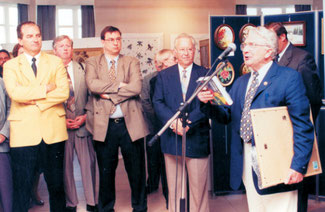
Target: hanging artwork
[
  {"x": 223, "y": 36},
  {"x": 226, "y": 75},
  {"x": 243, "y": 69},
  {"x": 244, "y": 31}
]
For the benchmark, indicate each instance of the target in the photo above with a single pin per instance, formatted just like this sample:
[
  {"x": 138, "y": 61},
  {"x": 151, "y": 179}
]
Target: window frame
[
  {"x": 76, "y": 28},
  {"x": 9, "y": 38}
]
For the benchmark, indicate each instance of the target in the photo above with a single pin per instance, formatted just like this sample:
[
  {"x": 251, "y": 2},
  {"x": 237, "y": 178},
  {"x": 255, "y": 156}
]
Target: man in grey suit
[
  {"x": 5, "y": 168},
  {"x": 116, "y": 120},
  {"x": 80, "y": 139},
  {"x": 304, "y": 63}
]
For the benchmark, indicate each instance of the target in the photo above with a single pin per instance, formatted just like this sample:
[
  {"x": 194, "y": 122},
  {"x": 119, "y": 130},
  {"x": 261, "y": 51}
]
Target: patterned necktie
[
  {"x": 184, "y": 84},
  {"x": 71, "y": 100},
  {"x": 34, "y": 66},
  {"x": 112, "y": 77},
  {"x": 246, "y": 130}
]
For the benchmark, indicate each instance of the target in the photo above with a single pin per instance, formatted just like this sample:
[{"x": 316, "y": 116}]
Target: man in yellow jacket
[{"x": 37, "y": 85}]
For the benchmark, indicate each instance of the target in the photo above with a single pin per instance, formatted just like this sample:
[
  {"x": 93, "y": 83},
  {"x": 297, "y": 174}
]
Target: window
[
  {"x": 271, "y": 10},
  {"x": 68, "y": 21},
  {"x": 8, "y": 23}
]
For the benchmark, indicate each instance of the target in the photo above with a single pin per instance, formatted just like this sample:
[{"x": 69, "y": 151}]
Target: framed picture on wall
[
  {"x": 223, "y": 36},
  {"x": 296, "y": 32},
  {"x": 226, "y": 75},
  {"x": 244, "y": 31}
]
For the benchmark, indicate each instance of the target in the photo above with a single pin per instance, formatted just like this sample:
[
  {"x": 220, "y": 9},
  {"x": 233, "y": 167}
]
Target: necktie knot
[
  {"x": 33, "y": 59},
  {"x": 184, "y": 73}
]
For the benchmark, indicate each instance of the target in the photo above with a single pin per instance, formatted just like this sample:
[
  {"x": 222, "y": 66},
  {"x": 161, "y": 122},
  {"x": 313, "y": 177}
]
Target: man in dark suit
[
  {"x": 79, "y": 138},
  {"x": 303, "y": 62},
  {"x": 173, "y": 86},
  {"x": 155, "y": 159},
  {"x": 4, "y": 56},
  {"x": 116, "y": 119},
  {"x": 268, "y": 85}
]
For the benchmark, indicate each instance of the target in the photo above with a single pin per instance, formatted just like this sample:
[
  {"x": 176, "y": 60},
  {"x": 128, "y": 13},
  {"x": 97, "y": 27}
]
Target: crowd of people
[{"x": 52, "y": 106}]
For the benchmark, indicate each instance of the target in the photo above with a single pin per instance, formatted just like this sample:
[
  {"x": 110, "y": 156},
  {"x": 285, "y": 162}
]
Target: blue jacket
[
  {"x": 280, "y": 87},
  {"x": 167, "y": 99}
]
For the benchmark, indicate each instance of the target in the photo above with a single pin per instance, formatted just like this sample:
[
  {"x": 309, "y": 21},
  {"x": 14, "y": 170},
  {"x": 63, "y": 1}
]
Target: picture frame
[
  {"x": 205, "y": 53},
  {"x": 223, "y": 36},
  {"x": 296, "y": 32},
  {"x": 226, "y": 75},
  {"x": 244, "y": 31},
  {"x": 244, "y": 69}
]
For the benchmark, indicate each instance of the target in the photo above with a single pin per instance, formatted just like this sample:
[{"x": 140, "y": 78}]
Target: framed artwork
[
  {"x": 227, "y": 74},
  {"x": 204, "y": 53},
  {"x": 243, "y": 69},
  {"x": 223, "y": 36},
  {"x": 244, "y": 31},
  {"x": 296, "y": 32}
]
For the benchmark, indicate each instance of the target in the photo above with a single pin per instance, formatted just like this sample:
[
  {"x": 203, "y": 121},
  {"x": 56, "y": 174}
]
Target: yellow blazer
[{"x": 29, "y": 124}]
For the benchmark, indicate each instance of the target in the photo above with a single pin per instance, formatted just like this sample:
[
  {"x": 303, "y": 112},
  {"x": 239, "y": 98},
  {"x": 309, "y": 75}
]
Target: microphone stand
[{"x": 181, "y": 110}]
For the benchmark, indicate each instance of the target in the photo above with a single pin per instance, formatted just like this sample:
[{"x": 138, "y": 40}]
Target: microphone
[{"x": 231, "y": 48}]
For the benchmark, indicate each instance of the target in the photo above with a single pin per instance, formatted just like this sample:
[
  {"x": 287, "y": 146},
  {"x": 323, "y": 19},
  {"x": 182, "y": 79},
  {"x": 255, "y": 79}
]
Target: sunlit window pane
[
  {"x": 79, "y": 32},
  {"x": 79, "y": 17},
  {"x": 271, "y": 11},
  {"x": 65, "y": 17},
  {"x": 2, "y": 18},
  {"x": 13, "y": 16},
  {"x": 66, "y": 31},
  {"x": 13, "y": 34},
  {"x": 3, "y": 34},
  {"x": 251, "y": 11},
  {"x": 290, "y": 10}
]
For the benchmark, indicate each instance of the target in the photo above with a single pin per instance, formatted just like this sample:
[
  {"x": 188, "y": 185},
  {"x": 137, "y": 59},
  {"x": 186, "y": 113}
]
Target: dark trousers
[
  {"x": 5, "y": 182},
  {"x": 156, "y": 168},
  {"x": 24, "y": 166},
  {"x": 134, "y": 162},
  {"x": 306, "y": 187}
]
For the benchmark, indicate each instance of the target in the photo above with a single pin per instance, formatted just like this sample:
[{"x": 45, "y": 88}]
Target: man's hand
[
  {"x": 50, "y": 87},
  {"x": 177, "y": 124},
  {"x": 293, "y": 177},
  {"x": 2, "y": 138},
  {"x": 122, "y": 84},
  {"x": 205, "y": 96},
  {"x": 30, "y": 102},
  {"x": 104, "y": 96},
  {"x": 71, "y": 124},
  {"x": 80, "y": 120}
]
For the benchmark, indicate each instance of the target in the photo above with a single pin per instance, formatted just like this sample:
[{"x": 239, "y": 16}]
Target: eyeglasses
[
  {"x": 112, "y": 40},
  {"x": 250, "y": 45}
]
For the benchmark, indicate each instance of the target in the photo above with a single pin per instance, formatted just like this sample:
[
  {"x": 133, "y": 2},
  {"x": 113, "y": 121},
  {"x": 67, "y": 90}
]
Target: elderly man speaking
[{"x": 268, "y": 85}]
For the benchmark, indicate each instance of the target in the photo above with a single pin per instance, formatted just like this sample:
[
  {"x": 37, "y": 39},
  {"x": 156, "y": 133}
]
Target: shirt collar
[
  {"x": 30, "y": 57},
  {"x": 188, "y": 68},
  {"x": 109, "y": 59}
]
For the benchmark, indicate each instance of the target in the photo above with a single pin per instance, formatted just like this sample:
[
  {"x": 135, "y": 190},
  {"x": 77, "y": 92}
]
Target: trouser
[{"x": 24, "y": 165}]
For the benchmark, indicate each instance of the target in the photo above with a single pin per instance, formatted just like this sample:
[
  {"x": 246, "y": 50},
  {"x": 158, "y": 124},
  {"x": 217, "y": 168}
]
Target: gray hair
[
  {"x": 184, "y": 35},
  {"x": 60, "y": 38},
  {"x": 269, "y": 36}
]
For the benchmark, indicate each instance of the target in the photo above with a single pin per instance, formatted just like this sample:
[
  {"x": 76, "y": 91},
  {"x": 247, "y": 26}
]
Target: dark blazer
[
  {"x": 167, "y": 99},
  {"x": 304, "y": 63},
  {"x": 280, "y": 87}
]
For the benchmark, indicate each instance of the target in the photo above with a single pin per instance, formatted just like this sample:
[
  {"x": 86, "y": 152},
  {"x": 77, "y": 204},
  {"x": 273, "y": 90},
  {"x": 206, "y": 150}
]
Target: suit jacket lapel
[
  {"x": 267, "y": 81},
  {"x": 120, "y": 69},
  {"x": 26, "y": 68},
  {"x": 103, "y": 68},
  {"x": 175, "y": 83},
  {"x": 76, "y": 76},
  {"x": 192, "y": 84},
  {"x": 287, "y": 56}
]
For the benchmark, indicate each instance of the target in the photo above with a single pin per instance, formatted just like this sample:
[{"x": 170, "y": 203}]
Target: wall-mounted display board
[{"x": 221, "y": 140}]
